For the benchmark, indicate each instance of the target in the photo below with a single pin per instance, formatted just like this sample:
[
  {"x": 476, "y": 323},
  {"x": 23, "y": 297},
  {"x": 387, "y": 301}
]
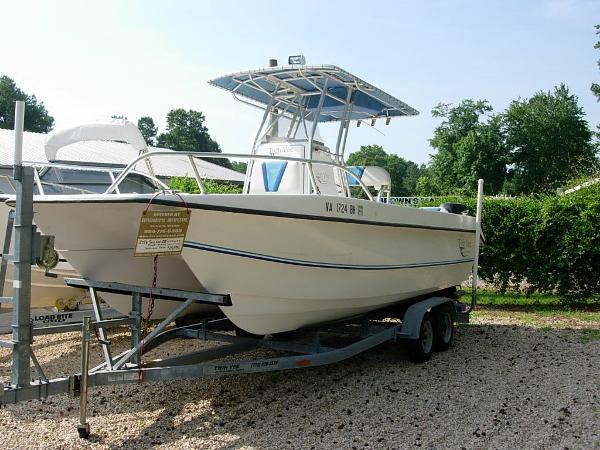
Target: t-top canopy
[{"x": 290, "y": 88}]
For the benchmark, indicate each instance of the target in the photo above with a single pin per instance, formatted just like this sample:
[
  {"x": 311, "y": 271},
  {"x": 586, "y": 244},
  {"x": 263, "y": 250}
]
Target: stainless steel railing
[{"x": 198, "y": 178}]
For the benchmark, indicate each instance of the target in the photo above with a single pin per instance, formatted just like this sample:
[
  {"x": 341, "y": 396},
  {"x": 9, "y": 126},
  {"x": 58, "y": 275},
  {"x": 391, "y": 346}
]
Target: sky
[{"x": 88, "y": 60}]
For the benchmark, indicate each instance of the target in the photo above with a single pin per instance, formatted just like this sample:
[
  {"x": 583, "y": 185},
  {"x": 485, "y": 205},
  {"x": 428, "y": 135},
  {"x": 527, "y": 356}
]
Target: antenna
[{"x": 297, "y": 60}]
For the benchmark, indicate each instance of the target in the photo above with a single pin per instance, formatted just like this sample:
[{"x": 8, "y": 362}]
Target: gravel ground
[{"x": 504, "y": 384}]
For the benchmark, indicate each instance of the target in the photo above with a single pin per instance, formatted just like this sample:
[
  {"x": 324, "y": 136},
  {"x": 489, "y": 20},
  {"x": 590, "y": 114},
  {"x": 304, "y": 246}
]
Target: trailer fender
[{"x": 411, "y": 321}]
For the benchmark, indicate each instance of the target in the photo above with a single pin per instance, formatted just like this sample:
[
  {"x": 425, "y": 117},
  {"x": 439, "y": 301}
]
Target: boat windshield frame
[{"x": 113, "y": 173}]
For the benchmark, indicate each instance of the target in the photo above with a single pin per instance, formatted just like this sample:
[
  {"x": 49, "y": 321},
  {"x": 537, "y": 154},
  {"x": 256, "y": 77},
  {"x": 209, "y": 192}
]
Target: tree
[
  {"x": 239, "y": 166},
  {"x": 186, "y": 132},
  {"x": 404, "y": 174},
  {"x": 411, "y": 177},
  {"x": 37, "y": 118},
  {"x": 148, "y": 129},
  {"x": 549, "y": 139},
  {"x": 426, "y": 185},
  {"x": 468, "y": 148},
  {"x": 596, "y": 86},
  {"x": 368, "y": 155}
]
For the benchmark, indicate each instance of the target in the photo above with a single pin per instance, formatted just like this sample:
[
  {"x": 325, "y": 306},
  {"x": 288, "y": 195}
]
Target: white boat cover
[{"x": 114, "y": 130}]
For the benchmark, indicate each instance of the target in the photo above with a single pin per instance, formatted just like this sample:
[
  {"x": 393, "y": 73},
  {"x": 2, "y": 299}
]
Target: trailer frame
[{"x": 303, "y": 348}]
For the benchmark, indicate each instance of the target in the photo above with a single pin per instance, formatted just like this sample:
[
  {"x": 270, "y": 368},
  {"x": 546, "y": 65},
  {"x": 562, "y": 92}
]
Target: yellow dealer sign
[{"x": 162, "y": 232}]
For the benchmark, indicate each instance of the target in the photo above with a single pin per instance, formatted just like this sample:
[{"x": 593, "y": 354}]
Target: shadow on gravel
[{"x": 498, "y": 386}]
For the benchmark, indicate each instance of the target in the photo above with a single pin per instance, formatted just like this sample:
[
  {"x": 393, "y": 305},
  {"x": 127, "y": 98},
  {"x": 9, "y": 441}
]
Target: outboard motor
[{"x": 453, "y": 208}]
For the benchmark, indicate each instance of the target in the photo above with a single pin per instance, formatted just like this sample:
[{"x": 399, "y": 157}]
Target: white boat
[
  {"x": 51, "y": 179},
  {"x": 295, "y": 249},
  {"x": 68, "y": 178}
]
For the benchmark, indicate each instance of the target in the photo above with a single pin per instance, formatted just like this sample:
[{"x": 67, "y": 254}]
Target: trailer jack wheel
[
  {"x": 444, "y": 327},
  {"x": 420, "y": 349}
]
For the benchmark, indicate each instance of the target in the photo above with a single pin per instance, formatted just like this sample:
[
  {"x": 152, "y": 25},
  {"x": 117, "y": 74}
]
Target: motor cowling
[{"x": 453, "y": 208}]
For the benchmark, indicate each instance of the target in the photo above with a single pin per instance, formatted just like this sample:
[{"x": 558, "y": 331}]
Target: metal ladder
[{"x": 6, "y": 257}]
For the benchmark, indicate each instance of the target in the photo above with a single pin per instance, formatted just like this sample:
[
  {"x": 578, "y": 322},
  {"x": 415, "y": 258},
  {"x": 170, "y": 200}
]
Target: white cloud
[
  {"x": 569, "y": 8},
  {"x": 559, "y": 8}
]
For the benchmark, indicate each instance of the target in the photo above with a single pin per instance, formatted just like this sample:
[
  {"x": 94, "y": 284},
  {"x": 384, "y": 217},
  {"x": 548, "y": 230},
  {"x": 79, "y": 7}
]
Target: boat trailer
[
  {"x": 427, "y": 324},
  {"x": 302, "y": 349}
]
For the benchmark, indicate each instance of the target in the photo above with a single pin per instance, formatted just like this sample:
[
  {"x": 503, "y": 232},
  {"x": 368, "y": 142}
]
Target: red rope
[{"x": 150, "y": 310}]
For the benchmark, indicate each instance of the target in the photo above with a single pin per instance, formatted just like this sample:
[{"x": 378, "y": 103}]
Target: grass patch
[
  {"x": 537, "y": 316},
  {"x": 539, "y": 310},
  {"x": 532, "y": 302},
  {"x": 589, "y": 335}
]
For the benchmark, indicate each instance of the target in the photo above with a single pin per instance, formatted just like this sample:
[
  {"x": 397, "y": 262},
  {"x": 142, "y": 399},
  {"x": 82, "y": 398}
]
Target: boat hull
[
  {"x": 288, "y": 261},
  {"x": 98, "y": 240},
  {"x": 287, "y": 273},
  {"x": 294, "y": 297},
  {"x": 48, "y": 291}
]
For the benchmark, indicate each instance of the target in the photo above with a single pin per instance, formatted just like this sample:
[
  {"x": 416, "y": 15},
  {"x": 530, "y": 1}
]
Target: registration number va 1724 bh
[{"x": 344, "y": 208}]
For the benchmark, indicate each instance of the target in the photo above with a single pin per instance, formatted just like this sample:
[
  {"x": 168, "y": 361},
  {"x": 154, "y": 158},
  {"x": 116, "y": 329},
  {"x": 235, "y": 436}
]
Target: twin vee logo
[
  {"x": 465, "y": 248},
  {"x": 344, "y": 208},
  {"x": 52, "y": 318},
  {"x": 249, "y": 366},
  {"x": 284, "y": 149}
]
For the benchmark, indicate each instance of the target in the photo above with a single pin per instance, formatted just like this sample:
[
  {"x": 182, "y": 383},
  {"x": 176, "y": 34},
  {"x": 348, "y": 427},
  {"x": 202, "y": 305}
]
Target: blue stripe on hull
[{"x": 324, "y": 265}]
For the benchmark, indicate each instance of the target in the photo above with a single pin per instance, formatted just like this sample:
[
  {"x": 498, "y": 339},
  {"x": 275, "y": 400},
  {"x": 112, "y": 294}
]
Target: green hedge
[
  {"x": 187, "y": 184},
  {"x": 548, "y": 244}
]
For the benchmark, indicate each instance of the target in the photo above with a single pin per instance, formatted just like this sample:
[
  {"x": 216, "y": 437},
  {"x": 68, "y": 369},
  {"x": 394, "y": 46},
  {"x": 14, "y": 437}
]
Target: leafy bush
[
  {"x": 188, "y": 184},
  {"x": 547, "y": 244}
]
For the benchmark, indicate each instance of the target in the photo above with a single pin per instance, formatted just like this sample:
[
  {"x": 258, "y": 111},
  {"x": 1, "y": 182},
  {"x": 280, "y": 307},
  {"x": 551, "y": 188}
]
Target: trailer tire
[
  {"x": 443, "y": 336},
  {"x": 420, "y": 349}
]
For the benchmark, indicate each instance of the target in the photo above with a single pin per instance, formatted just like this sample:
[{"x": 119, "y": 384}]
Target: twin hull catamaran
[{"x": 296, "y": 248}]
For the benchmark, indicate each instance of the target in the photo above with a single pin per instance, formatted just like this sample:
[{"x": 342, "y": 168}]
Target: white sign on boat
[{"x": 162, "y": 232}]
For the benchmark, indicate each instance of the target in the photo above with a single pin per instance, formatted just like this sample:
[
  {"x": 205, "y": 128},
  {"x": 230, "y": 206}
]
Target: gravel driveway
[{"x": 504, "y": 384}]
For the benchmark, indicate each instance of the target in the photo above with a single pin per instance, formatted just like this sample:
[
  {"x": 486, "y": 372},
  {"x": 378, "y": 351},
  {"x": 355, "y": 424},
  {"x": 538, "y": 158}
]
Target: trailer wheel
[
  {"x": 444, "y": 327},
  {"x": 420, "y": 349}
]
